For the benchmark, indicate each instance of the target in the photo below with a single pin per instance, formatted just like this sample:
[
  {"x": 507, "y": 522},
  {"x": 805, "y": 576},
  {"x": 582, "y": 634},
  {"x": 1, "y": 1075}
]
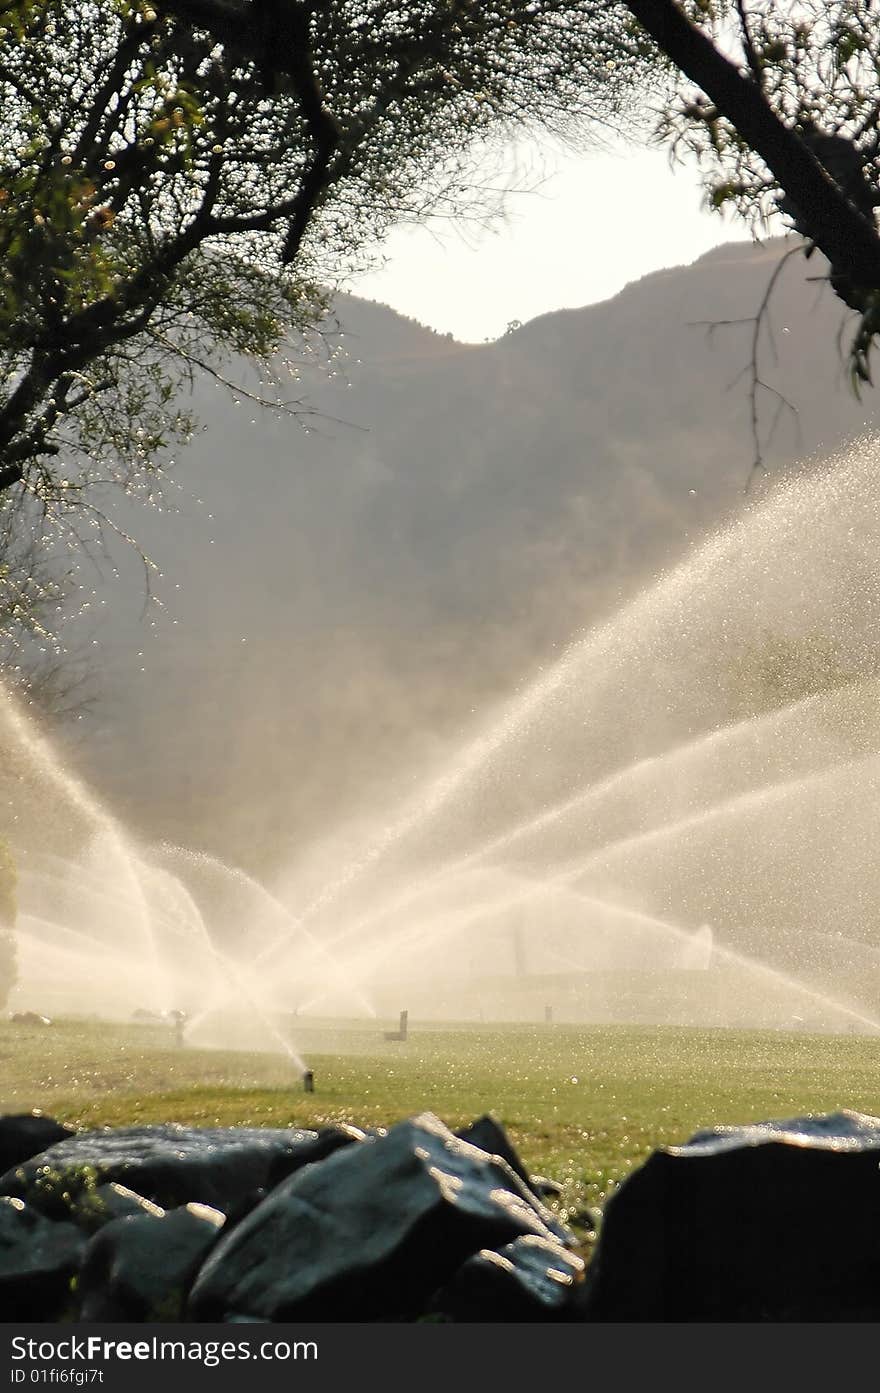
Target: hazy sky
[{"x": 595, "y": 223}]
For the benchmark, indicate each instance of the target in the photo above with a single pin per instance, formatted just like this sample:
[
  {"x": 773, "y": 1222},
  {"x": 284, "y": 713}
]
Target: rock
[
  {"x": 37, "y": 1261},
  {"x": 724, "y": 1228},
  {"x": 584, "y": 1219},
  {"x": 371, "y": 1233},
  {"x": 29, "y": 1018},
  {"x": 243, "y": 1206},
  {"x": 23, "y": 1135},
  {"x": 170, "y": 1164},
  {"x": 118, "y": 1202},
  {"x": 141, "y": 1267},
  {"x": 101, "y": 1204},
  {"x": 490, "y": 1136},
  {"x": 546, "y": 1188},
  {"x": 532, "y": 1279}
]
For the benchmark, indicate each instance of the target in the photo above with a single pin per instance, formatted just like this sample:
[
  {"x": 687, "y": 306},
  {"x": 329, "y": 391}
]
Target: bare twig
[{"x": 757, "y": 384}]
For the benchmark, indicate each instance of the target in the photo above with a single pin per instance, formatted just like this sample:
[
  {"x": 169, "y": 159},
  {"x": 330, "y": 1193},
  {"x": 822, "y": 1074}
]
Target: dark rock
[
  {"x": 532, "y": 1279},
  {"x": 141, "y": 1267},
  {"x": 29, "y": 1018},
  {"x": 724, "y": 1227},
  {"x": 490, "y": 1136},
  {"x": 37, "y": 1261},
  {"x": 243, "y": 1206},
  {"x": 172, "y": 1165},
  {"x": 546, "y": 1188},
  {"x": 118, "y": 1202},
  {"x": 370, "y": 1233},
  {"x": 23, "y": 1135},
  {"x": 583, "y": 1219},
  {"x": 99, "y": 1205}
]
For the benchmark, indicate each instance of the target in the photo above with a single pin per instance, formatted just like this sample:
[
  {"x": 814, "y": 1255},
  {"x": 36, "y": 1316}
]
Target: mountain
[{"x": 345, "y": 596}]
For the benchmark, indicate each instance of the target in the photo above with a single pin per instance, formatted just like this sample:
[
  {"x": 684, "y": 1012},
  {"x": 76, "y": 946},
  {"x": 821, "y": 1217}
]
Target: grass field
[{"x": 582, "y": 1103}]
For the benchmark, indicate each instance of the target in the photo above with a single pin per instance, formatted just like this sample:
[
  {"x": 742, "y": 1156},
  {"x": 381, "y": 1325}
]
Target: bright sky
[{"x": 597, "y": 222}]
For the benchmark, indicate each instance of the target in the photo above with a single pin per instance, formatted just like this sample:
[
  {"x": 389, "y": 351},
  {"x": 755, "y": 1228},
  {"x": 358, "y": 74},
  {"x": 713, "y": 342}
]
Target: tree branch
[
  {"x": 757, "y": 384},
  {"x": 848, "y": 239}
]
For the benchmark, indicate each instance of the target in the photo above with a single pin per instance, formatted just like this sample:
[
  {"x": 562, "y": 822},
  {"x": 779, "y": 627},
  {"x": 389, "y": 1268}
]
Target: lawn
[{"x": 582, "y": 1103}]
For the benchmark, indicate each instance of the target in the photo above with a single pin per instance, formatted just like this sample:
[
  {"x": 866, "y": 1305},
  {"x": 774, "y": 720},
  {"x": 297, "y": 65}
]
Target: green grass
[{"x": 582, "y": 1103}]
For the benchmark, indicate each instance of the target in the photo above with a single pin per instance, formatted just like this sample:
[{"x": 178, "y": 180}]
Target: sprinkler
[{"x": 308, "y": 1081}]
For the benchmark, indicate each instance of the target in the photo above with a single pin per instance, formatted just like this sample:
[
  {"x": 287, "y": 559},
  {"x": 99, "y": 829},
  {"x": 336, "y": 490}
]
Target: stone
[
  {"x": 23, "y": 1135},
  {"x": 38, "y": 1259},
  {"x": 170, "y": 1164},
  {"x": 584, "y": 1219},
  {"x": 140, "y": 1267},
  {"x": 724, "y": 1228},
  {"x": 545, "y": 1187},
  {"x": 531, "y": 1279},
  {"x": 101, "y": 1204},
  {"x": 371, "y": 1233},
  {"x": 30, "y": 1018},
  {"x": 490, "y": 1136},
  {"x": 243, "y": 1206}
]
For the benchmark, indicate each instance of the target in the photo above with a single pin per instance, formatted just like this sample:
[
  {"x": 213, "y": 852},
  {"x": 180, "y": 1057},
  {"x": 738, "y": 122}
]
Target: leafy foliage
[
  {"x": 71, "y": 1194},
  {"x": 180, "y": 180},
  {"x": 813, "y": 70}
]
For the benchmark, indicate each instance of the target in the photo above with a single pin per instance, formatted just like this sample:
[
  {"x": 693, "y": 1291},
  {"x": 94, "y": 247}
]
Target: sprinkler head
[{"x": 308, "y": 1081}]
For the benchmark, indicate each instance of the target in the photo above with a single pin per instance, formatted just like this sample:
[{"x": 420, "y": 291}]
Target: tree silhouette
[{"x": 789, "y": 123}]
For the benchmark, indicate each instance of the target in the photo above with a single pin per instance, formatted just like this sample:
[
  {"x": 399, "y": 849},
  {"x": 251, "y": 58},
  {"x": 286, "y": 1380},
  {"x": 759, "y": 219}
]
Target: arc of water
[
  {"x": 594, "y": 646},
  {"x": 240, "y": 988},
  {"x": 655, "y": 924},
  {"x": 527, "y": 890},
  {"x": 43, "y": 757},
  {"x": 773, "y": 792},
  {"x": 581, "y": 802},
  {"x": 319, "y": 947},
  {"x": 570, "y": 875},
  {"x": 97, "y": 893},
  {"x": 573, "y": 871},
  {"x": 673, "y": 594},
  {"x": 82, "y": 940},
  {"x": 233, "y": 974},
  {"x": 761, "y": 969}
]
